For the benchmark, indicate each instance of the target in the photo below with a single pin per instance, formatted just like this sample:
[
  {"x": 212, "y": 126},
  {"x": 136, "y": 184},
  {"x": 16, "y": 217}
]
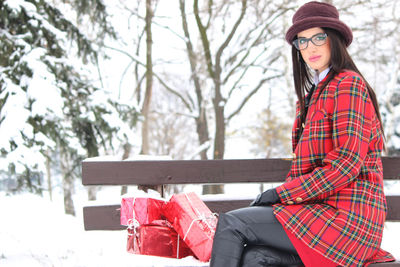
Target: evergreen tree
[{"x": 48, "y": 100}]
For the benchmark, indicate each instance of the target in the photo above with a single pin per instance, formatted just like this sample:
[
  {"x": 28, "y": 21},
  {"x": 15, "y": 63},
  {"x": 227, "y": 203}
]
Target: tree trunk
[
  {"x": 48, "y": 172},
  {"x": 202, "y": 133},
  {"x": 148, "y": 92},
  {"x": 219, "y": 138},
  {"x": 92, "y": 192},
  {"x": 68, "y": 183},
  {"x": 201, "y": 120},
  {"x": 68, "y": 186},
  {"x": 213, "y": 189},
  {"x": 149, "y": 80},
  {"x": 219, "y": 142},
  {"x": 127, "y": 151},
  {"x": 214, "y": 72}
]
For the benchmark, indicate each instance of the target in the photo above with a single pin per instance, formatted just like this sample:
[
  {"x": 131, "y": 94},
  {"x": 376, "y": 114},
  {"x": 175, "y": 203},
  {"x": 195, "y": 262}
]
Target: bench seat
[{"x": 96, "y": 171}]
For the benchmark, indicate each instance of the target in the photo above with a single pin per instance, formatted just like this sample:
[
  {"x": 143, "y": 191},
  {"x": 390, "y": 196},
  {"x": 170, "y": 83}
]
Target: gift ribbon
[
  {"x": 133, "y": 209},
  {"x": 201, "y": 217},
  {"x": 177, "y": 247},
  {"x": 133, "y": 224}
]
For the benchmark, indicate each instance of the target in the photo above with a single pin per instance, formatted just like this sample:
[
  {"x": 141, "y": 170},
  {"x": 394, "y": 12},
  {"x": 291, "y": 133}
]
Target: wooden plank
[
  {"x": 223, "y": 206},
  {"x": 183, "y": 171},
  {"x": 386, "y": 264},
  {"x": 393, "y": 203},
  {"x": 108, "y": 217},
  {"x": 102, "y": 218},
  {"x": 198, "y": 171},
  {"x": 391, "y": 168}
]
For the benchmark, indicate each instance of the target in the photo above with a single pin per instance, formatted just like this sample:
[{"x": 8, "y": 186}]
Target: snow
[
  {"x": 131, "y": 158},
  {"x": 35, "y": 232},
  {"x": 200, "y": 148},
  {"x": 17, "y": 4},
  {"x": 42, "y": 87}
]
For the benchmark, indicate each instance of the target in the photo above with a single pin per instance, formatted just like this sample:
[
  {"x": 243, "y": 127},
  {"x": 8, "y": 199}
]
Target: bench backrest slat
[
  {"x": 198, "y": 171},
  {"x": 393, "y": 203}
]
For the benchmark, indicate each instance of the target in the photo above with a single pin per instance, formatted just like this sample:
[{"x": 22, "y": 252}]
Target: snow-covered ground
[{"x": 35, "y": 232}]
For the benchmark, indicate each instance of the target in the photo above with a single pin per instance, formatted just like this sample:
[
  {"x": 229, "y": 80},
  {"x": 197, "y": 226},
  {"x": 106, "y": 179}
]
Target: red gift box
[
  {"x": 194, "y": 221},
  {"x": 143, "y": 209},
  {"x": 157, "y": 239}
]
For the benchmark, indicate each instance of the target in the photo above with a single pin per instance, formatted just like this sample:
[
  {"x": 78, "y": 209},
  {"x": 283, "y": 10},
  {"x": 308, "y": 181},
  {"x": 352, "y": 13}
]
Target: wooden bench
[{"x": 167, "y": 172}]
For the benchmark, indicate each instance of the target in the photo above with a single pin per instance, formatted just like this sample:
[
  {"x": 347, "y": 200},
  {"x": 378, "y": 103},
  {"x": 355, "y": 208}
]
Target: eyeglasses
[{"x": 317, "y": 39}]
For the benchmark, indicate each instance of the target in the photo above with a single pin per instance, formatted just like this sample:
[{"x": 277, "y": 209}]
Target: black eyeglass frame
[{"x": 321, "y": 34}]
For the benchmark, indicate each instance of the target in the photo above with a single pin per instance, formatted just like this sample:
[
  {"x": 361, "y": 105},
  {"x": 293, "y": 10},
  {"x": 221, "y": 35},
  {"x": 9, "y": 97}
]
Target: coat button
[
  {"x": 290, "y": 202},
  {"x": 294, "y": 155},
  {"x": 299, "y": 199}
]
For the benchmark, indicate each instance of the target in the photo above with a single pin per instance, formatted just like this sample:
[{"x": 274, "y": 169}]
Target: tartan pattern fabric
[{"x": 333, "y": 197}]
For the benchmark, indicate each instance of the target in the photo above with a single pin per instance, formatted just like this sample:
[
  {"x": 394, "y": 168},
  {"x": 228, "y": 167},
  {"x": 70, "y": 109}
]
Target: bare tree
[
  {"x": 149, "y": 90},
  {"x": 234, "y": 46},
  {"x": 143, "y": 72},
  {"x": 201, "y": 118},
  {"x": 231, "y": 55},
  {"x": 149, "y": 78}
]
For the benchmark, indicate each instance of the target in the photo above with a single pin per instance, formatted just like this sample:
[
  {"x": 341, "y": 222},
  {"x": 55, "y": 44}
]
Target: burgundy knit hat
[{"x": 317, "y": 14}]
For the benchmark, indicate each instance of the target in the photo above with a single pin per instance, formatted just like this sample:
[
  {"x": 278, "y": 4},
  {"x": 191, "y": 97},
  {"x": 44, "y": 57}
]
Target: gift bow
[{"x": 133, "y": 223}]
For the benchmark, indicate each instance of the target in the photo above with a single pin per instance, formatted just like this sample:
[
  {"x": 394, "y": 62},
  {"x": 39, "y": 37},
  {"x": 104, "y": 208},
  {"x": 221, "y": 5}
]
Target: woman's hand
[{"x": 266, "y": 198}]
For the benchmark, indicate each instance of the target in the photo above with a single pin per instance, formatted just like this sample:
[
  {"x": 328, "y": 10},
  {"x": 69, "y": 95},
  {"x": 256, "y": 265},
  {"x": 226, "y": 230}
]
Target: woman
[{"x": 331, "y": 209}]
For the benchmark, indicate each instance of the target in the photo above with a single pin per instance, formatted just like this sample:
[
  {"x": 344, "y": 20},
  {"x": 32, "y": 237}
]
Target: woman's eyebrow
[{"x": 310, "y": 36}]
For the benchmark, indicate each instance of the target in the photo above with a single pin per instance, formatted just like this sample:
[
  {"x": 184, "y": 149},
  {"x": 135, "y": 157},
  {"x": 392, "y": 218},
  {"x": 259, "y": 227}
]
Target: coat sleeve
[{"x": 351, "y": 124}]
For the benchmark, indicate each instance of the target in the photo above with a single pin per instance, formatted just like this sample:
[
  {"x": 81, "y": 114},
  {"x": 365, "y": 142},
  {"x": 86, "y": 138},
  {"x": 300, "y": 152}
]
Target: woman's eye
[{"x": 302, "y": 41}]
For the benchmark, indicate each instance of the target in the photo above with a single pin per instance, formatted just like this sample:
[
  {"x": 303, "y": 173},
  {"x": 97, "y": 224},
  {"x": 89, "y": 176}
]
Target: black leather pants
[{"x": 252, "y": 237}]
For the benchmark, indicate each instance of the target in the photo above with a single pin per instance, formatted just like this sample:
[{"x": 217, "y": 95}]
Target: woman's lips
[{"x": 314, "y": 58}]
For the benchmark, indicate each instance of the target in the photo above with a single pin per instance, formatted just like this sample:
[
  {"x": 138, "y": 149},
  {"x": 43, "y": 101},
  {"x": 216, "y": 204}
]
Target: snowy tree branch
[
  {"x": 247, "y": 98},
  {"x": 170, "y": 89}
]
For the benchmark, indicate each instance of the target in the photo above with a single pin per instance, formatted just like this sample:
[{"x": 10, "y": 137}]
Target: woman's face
[{"x": 316, "y": 57}]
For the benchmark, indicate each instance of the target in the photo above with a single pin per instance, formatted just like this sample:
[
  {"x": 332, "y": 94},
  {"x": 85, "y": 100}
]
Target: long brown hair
[{"x": 340, "y": 61}]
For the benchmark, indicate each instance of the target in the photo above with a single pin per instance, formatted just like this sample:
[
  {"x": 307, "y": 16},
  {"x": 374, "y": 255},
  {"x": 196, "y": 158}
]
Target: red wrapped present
[
  {"x": 143, "y": 209},
  {"x": 193, "y": 220},
  {"x": 157, "y": 239}
]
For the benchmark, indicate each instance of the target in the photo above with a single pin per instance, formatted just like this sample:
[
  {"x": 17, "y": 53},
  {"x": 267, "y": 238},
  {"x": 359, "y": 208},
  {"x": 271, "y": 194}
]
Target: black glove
[{"x": 266, "y": 198}]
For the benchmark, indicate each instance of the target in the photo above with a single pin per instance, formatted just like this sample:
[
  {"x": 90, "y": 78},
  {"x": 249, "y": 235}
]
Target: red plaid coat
[{"x": 333, "y": 197}]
